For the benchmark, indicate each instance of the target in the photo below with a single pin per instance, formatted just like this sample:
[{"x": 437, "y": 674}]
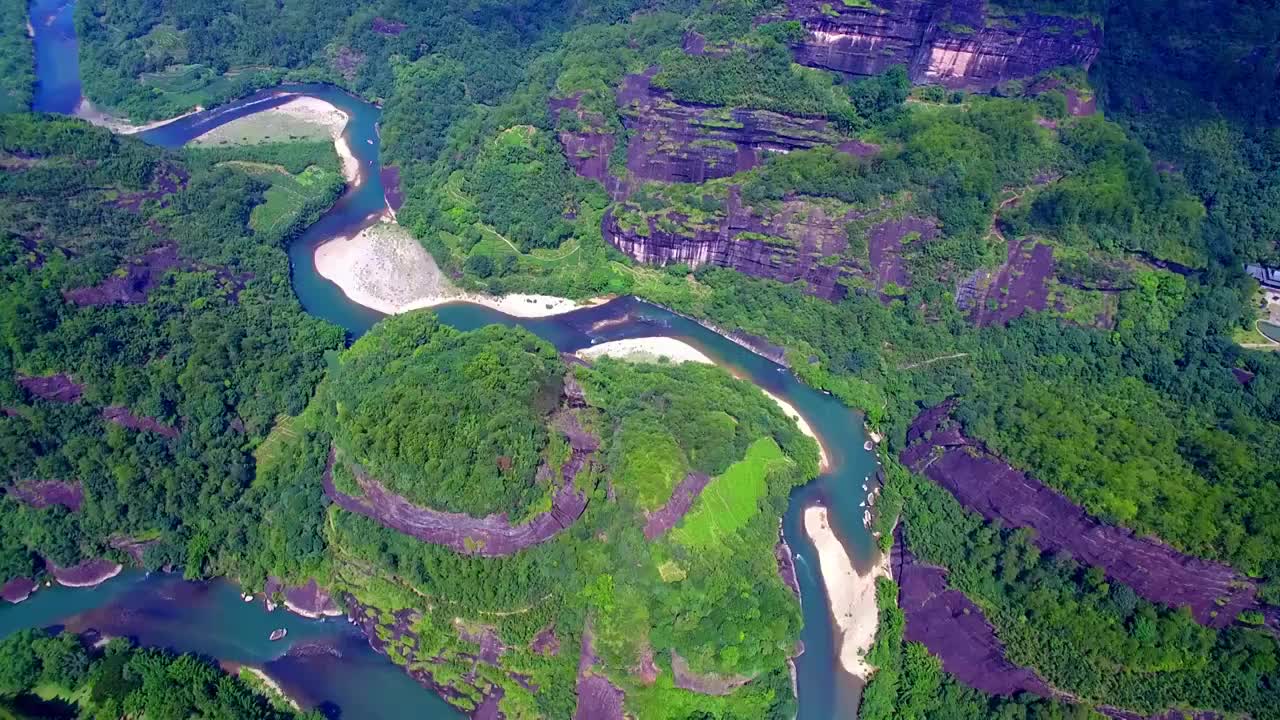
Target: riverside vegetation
[
  {"x": 43, "y": 676},
  {"x": 1123, "y": 390}
]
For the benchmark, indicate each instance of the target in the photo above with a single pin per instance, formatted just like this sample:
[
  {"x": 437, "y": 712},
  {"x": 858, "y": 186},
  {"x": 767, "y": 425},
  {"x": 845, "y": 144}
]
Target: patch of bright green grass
[
  {"x": 268, "y": 451},
  {"x": 288, "y": 194},
  {"x": 730, "y": 500}
]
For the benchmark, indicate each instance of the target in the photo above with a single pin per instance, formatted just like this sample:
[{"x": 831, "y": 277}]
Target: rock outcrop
[
  {"x": 954, "y": 629},
  {"x": 799, "y": 242},
  {"x": 671, "y": 141},
  {"x": 681, "y": 142},
  {"x": 957, "y": 44}
]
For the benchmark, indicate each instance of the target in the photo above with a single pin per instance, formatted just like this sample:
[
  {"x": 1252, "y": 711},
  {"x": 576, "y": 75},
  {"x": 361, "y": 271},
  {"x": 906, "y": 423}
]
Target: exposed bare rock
[
  {"x": 682, "y": 498},
  {"x": 958, "y": 44},
  {"x": 488, "y": 537},
  {"x": 44, "y": 493},
  {"x": 646, "y": 669},
  {"x": 54, "y": 388},
  {"x": 311, "y": 600},
  {"x": 383, "y": 26},
  {"x": 799, "y": 242},
  {"x": 86, "y": 574},
  {"x": 705, "y": 683},
  {"x": 491, "y": 647},
  {"x": 985, "y": 483},
  {"x": 955, "y": 630},
  {"x": 546, "y": 642},
  {"x": 17, "y": 590},
  {"x": 786, "y": 566},
  {"x": 673, "y": 141},
  {"x": 132, "y": 283},
  {"x": 135, "y": 548},
  {"x": 885, "y": 242},
  {"x": 1020, "y": 284},
  {"x": 682, "y": 142},
  {"x": 124, "y": 418},
  {"x": 598, "y": 699},
  {"x": 392, "y": 191}
]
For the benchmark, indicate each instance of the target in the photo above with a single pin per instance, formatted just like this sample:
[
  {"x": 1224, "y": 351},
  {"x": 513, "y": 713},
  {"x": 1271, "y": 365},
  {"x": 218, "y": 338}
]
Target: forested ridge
[
  {"x": 624, "y": 436},
  {"x": 1122, "y": 384},
  {"x": 133, "y": 280}
]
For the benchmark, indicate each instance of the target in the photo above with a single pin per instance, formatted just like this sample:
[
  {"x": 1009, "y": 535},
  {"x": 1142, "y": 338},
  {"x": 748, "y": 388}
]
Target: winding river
[{"x": 327, "y": 664}]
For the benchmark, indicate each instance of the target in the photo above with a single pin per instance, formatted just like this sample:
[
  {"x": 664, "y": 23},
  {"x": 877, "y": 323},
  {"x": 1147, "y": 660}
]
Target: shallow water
[{"x": 330, "y": 665}]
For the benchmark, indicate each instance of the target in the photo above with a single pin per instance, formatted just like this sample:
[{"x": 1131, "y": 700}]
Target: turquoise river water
[{"x": 327, "y": 664}]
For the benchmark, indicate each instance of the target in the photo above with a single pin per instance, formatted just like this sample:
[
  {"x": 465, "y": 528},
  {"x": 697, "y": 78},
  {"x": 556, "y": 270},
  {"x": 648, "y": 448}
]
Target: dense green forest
[
  {"x": 17, "y": 67},
  {"x": 44, "y": 676},
  {"x": 1126, "y": 392},
  {"x": 641, "y": 598},
  {"x": 207, "y": 340}
]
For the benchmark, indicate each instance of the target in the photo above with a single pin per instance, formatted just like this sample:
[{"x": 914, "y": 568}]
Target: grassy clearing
[
  {"x": 731, "y": 499},
  {"x": 265, "y": 127},
  {"x": 281, "y": 434},
  {"x": 288, "y": 195}
]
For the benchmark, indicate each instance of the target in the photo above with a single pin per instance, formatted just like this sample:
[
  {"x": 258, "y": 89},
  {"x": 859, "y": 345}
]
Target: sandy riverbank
[
  {"x": 315, "y": 110},
  {"x": 386, "y": 269},
  {"x": 86, "y": 110},
  {"x": 650, "y": 349},
  {"x": 824, "y": 461},
  {"x": 852, "y": 596},
  {"x": 303, "y": 117},
  {"x": 273, "y": 687}
]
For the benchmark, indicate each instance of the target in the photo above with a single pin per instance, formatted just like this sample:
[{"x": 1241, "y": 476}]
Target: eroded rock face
[
  {"x": 957, "y": 44},
  {"x": 800, "y": 242},
  {"x": 681, "y": 142},
  {"x": 672, "y": 141}
]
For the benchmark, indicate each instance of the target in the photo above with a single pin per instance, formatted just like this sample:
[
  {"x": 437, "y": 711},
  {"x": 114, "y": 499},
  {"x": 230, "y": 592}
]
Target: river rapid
[{"x": 327, "y": 664}]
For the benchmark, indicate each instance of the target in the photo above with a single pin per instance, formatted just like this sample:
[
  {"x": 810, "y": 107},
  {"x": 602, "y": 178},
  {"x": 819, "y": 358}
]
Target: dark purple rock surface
[
  {"x": 44, "y": 493},
  {"x": 124, "y": 418},
  {"x": 85, "y": 574},
  {"x": 681, "y": 142},
  {"x": 682, "y": 497},
  {"x": 885, "y": 243},
  {"x": 546, "y": 642},
  {"x": 391, "y": 188},
  {"x": 311, "y": 600},
  {"x": 132, "y": 283},
  {"x": 489, "y": 536},
  {"x": 383, "y": 26},
  {"x": 1020, "y": 284},
  {"x": 598, "y": 699},
  {"x": 54, "y": 388},
  {"x": 955, "y": 630},
  {"x": 17, "y": 590},
  {"x": 801, "y": 239},
  {"x": 985, "y": 483}
]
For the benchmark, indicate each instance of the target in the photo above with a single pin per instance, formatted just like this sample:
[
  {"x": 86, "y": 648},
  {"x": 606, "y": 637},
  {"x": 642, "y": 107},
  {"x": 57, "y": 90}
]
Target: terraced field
[
  {"x": 731, "y": 499},
  {"x": 288, "y": 195}
]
